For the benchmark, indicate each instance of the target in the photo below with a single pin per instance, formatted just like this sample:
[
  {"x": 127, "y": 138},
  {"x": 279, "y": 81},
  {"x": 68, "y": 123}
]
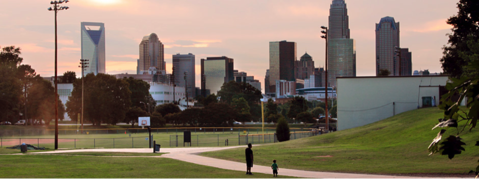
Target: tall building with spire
[{"x": 341, "y": 49}]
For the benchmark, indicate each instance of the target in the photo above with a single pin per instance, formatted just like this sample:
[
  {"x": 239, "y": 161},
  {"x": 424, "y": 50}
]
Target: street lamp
[
  {"x": 56, "y": 8},
  {"x": 83, "y": 66},
  {"x": 325, "y": 37}
]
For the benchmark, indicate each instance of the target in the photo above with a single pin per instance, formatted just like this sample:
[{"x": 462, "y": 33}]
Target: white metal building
[{"x": 364, "y": 100}]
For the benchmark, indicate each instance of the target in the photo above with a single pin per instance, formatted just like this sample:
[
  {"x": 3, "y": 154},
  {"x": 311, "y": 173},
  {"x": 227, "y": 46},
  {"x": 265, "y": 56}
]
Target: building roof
[
  {"x": 306, "y": 57},
  {"x": 387, "y": 19}
]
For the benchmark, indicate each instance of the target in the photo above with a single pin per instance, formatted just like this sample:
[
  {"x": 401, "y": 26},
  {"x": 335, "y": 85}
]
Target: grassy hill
[{"x": 397, "y": 145}]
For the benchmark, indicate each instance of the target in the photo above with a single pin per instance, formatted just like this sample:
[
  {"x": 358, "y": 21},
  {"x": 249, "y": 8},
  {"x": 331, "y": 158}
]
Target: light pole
[
  {"x": 83, "y": 66},
  {"x": 325, "y": 37},
  {"x": 56, "y": 8},
  {"x": 186, "y": 89}
]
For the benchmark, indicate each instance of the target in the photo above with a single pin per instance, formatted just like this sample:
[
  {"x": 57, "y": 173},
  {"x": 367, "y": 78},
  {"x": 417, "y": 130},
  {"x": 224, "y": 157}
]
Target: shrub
[{"x": 282, "y": 130}]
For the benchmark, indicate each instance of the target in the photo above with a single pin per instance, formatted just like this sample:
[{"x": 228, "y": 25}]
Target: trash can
[
  {"x": 24, "y": 148},
  {"x": 156, "y": 147}
]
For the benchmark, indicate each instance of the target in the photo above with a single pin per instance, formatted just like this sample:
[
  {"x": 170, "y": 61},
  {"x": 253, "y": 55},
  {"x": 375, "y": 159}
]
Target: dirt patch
[
  {"x": 325, "y": 156},
  {"x": 12, "y": 142}
]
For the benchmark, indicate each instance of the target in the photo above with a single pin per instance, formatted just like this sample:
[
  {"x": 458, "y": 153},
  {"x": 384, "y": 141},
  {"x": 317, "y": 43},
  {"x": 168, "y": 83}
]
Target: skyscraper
[
  {"x": 151, "y": 53},
  {"x": 185, "y": 63},
  {"x": 93, "y": 46},
  {"x": 281, "y": 62},
  {"x": 341, "y": 49},
  {"x": 406, "y": 62},
  {"x": 387, "y": 39},
  {"x": 304, "y": 67},
  {"x": 215, "y": 71}
]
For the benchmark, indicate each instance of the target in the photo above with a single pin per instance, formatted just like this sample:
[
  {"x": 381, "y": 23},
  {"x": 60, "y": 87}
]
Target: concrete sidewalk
[{"x": 190, "y": 155}]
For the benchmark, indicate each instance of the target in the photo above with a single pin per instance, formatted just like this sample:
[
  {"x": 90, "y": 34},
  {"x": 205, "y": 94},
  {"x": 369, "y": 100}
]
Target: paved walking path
[{"x": 189, "y": 155}]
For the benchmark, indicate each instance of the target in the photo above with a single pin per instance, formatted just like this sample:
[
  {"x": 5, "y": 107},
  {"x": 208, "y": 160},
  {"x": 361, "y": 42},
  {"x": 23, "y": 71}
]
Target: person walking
[{"x": 249, "y": 159}]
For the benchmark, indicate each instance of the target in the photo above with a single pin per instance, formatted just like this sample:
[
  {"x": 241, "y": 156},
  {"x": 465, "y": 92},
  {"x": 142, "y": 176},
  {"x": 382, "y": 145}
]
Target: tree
[
  {"x": 235, "y": 90},
  {"x": 273, "y": 118},
  {"x": 68, "y": 77},
  {"x": 157, "y": 120},
  {"x": 334, "y": 111},
  {"x": 140, "y": 95},
  {"x": 384, "y": 72},
  {"x": 461, "y": 62},
  {"x": 241, "y": 105},
  {"x": 10, "y": 85},
  {"x": 212, "y": 98},
  {"x": 317, "y": 111},
  {"x": 166, "y": 109},
  {"x": 27, "y": 75},
  {"x": 218, "y": 115},
  {"x": 282, "y": 130},
  {"x": 132, "y": 115},
  {"x": 298, "y": 105},
  {"x": 191, "y": 116},
  {"x": 107, "y": 99},
  {"x": 173, "y": 118},
  {"x": 271, "y": 108},
  {"x": 465, "y": 26},
  {"x": 305, "y": 117},
  {"x": 41, "y": 103}
]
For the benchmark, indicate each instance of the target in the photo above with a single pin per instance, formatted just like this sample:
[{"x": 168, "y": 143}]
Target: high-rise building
[
  {"x": 267, "y": 84},
  {"x": 242, "y": 77},
  {"x": 93, "y": 46},
  {"x": 285, "y": 89},
  {"x": 151, "y": 54},
  {"x": 406, "y": 62},
  {"x": 281, "y": 62},
  {"x": 387, "y": 39},
  {"x": 185, "y": 63},
  {"x": 341, "y": 49},
  {"x": 304, "y": 67},
  {"x": 215, "y": 71}
]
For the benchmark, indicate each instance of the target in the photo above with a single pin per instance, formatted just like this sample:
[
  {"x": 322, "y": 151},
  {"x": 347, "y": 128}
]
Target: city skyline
[{"x": 245, "y": 39}]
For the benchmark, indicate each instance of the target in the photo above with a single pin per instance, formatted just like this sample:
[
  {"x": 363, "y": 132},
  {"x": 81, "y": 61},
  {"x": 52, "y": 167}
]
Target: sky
[{"x": 239, "y": 29}]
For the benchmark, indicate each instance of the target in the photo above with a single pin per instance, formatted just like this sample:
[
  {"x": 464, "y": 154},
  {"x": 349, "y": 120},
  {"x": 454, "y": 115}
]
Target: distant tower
[
  {"x": 215, "y": 71},
  {"x": 341, "y": 49},
  {"x": 281, "y": 62},
  {"x": 93, "y": 46},
  {"x": 185, "y": 63},
  {"x": 387, "y": 39},
  {"x": 304, "y": 67},
  {"x": 151, "y": 54},
  {"x": 406, "y": 62}
]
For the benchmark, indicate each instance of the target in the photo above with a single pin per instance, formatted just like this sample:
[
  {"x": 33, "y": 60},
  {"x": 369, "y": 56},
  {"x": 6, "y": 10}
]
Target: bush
[
  {"x": 305, "y": 117},
  {"x": 282, "y": 130}
]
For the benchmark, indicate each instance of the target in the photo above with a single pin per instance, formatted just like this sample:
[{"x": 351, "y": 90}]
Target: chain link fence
[{"x": 77, "y": 143}]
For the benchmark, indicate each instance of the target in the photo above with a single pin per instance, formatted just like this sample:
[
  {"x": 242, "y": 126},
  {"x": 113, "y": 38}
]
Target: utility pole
[
  {"x": 186, "y": 89},
  {"x": 325, "y": 37},
  {"x": 83, "y": 66},
  {"x": 56, "y": 8}
]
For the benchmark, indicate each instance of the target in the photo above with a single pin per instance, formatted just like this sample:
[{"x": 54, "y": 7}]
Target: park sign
[{"x": 143, "y": 121}]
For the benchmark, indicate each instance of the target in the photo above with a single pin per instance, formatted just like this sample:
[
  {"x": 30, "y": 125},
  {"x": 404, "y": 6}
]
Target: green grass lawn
[
  {"x": 106, "y": 154},
  {"x": 397, "y": 145},
  {"x": 51, "y": 166}
]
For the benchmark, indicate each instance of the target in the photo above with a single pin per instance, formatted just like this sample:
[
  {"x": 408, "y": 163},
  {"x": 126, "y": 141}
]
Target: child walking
[{"x": 275, "y": 168}]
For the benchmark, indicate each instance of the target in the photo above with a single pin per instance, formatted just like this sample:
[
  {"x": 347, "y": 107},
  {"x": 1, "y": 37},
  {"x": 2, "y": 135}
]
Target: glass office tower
[
  {"x": 185, "y": 63},
  {"x": 215, "y": 71},
  {"x": 93, "y": 46}
]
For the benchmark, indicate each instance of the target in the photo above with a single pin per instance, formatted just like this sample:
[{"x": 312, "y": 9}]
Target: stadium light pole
[
  {"x": 325, "y": 37},
  {"x": 83, "y": 66},
  {"x": 56, "y": 8}
]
